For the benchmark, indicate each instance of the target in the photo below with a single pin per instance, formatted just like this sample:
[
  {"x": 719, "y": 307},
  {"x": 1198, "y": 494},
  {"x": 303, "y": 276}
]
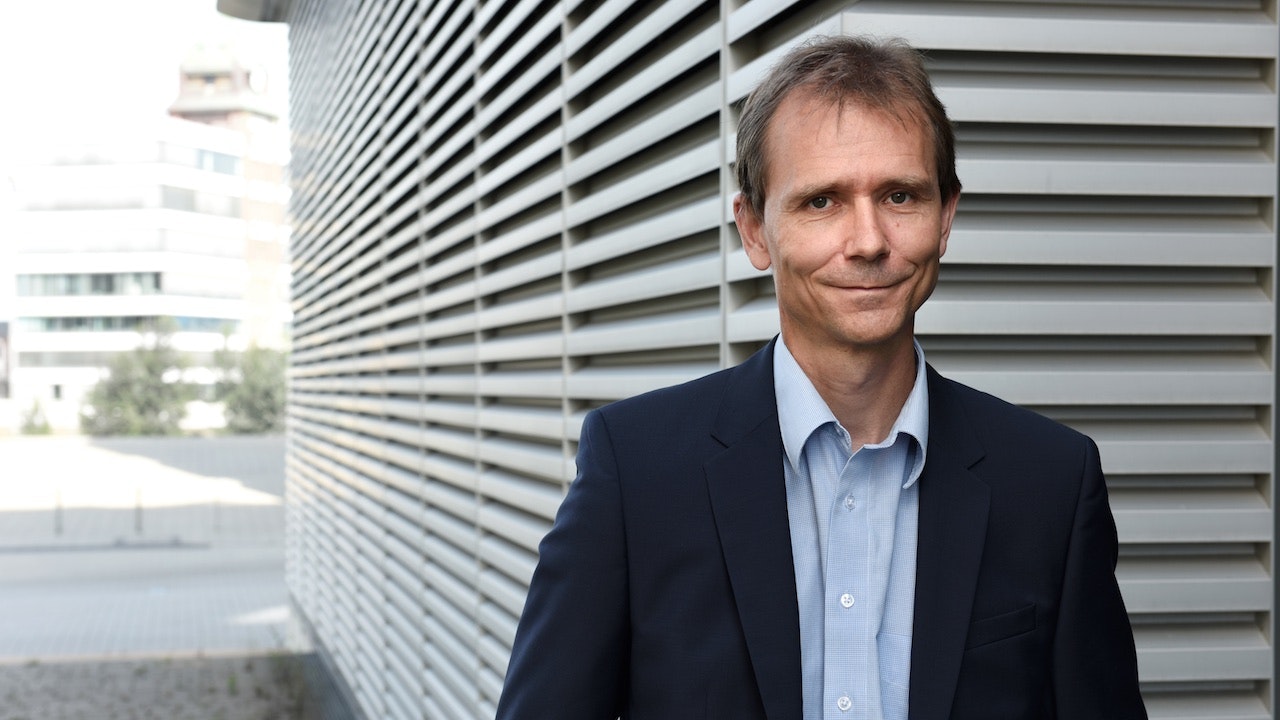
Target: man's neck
[{"x": 864, "y": 387}]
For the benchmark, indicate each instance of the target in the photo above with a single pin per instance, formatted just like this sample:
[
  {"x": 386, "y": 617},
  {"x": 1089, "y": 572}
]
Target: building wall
[{"x": 509, "y": 212}]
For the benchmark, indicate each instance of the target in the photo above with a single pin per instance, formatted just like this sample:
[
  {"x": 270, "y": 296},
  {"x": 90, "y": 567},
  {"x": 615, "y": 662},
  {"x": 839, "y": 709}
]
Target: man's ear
[
  {"x": 948, "y": 216},
  {"x": 752, "y": 233}
]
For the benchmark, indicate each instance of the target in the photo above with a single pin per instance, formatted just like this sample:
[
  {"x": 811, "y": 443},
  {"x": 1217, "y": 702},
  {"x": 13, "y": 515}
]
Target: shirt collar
[{"x": 801, "y": 410}]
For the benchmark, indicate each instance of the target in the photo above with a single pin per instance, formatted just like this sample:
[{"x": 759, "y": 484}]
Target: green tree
[
  {"x": 252, "y": 389},
  {"x": 34, "y": 421},
  {"x": 142, "y": 394}
]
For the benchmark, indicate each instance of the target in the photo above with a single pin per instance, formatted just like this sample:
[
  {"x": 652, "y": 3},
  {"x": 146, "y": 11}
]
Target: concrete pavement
[{"x": 140, "y": 547}]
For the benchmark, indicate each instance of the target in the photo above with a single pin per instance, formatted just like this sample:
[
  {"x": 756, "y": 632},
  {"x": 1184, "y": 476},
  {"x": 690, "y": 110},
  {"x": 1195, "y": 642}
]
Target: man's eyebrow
[
  {"x": 805, "y": 192},
  {"x": 921, "y": 186}
]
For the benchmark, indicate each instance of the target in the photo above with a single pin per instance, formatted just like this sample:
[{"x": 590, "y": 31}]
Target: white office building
[{"x": 179, "y": 223}]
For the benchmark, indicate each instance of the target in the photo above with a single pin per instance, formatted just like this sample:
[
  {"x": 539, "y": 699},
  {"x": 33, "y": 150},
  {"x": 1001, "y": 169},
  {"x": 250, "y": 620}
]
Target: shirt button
[
  {"x": 844, "y": 703},
  {"x": 846, "y": 600},
  {"x": 850, "y": 503}
]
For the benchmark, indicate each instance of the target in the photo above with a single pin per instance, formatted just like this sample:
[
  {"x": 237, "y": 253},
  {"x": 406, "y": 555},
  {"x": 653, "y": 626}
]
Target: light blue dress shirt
[{"x": 853, "y": 520}]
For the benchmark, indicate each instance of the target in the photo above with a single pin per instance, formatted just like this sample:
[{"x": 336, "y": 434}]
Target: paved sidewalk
[
  {"x": 140, "y": 547},
  {"x": 239, "y": 687}
]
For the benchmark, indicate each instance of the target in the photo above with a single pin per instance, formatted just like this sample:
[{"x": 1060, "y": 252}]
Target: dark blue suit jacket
[{"x": 666, "y": 588}]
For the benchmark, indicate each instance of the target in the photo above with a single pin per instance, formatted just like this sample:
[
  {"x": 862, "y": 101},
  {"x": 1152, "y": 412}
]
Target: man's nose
[{"x": 864, "y": 232}]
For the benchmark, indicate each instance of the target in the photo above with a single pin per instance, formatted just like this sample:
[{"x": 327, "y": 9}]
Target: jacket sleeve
[
  {"x": 1095, "y": 673},
  {"x": 569, "y": 659}
]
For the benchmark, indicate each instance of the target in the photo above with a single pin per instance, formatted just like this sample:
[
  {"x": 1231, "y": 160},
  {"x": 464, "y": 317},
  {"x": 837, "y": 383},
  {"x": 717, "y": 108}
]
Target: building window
[
  {"x": 135, "y": 323},
  {"x": 138, "y": 283},
  {"x": 103, "y": 358},
  {"x": 176, "y": 198}
]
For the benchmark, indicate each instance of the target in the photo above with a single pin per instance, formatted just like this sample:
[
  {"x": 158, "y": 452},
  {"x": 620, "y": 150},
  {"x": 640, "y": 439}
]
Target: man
[{"x": 831, "y": 529}]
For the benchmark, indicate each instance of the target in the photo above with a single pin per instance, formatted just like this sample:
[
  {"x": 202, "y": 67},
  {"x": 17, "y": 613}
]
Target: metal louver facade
[{"x": 508, "y": 212}]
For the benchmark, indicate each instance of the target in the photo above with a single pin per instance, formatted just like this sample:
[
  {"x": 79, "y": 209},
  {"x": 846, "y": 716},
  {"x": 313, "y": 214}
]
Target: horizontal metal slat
[
  {"x": 1207, "y": 704},
  {"x": 443, "y": 693},
  {"x": 517, "y": 563},
  {"x": 646, "y": 233},
  {"x": 533, "y": 422},
  {"x": 516, "y": 527},
  {"x": 1101, "y": 386},
  {"x": 591, "y": 24},
  {"x": 695, "y": 50},
  {"x": 1032, "y": 172},
  {"x": 518, "y": 164},
  {"x": 507, "y": 132},
  {"x": 515, "y": 48},
  {"x": 664, "y": 331},
  {"x": 448, "y": 645},
  {"x": 495, "y": 647},
  {"x": 1204, "y": 652},
  {"x": 701, "y": 160},
  {"x": 608, "y": 59},
  {"x": 685, "y": 275},
  {"x": 644, "y": 133},
  {"x": 490, "y": 685},
  {"x": 1193, "y": 526},
  {"x": 518, "y": 237},
  {"x": 617, "y": 383},
  {"x": 1184, "y": 453},
  {"x": 533, "y": 72},
  {"x": 1247, "y": 106},
  {"x": 501, "y": 591},
  {"x": 745, "y": 78},
  {"x": 537, "y": 461},
  {"x": 520, "y": 385},
  {"x": 450, "y": 545},
  {"x": 520, "y": 200},
  {"x": 450, "y": 602},
  {"x": 521, "y": 347},
  {"x": 1044, "y": 28},
  {"x": 1227, "y": 316},
  {"x": 545, "y": 267},
  {"x": 1181, "y": 584},
  {"x": 1001, "y": 241}
]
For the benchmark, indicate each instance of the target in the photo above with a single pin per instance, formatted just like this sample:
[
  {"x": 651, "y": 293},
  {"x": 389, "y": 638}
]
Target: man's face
[{"x": 853, "y": 224}]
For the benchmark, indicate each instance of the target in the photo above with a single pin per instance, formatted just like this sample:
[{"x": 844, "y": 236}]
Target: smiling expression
[{"x": 853, "y": 224}]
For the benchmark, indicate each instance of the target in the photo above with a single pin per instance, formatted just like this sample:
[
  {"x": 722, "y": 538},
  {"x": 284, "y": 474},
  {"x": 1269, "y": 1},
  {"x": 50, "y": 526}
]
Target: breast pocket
[{"x": 1001, "y": 627}]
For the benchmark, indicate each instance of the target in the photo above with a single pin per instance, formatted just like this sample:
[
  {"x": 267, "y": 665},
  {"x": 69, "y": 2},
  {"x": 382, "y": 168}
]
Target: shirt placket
[{"x": 847, "y": 618}]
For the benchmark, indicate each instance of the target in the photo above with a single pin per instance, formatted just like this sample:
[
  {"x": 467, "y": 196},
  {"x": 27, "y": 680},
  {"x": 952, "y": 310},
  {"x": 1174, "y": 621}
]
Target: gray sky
[
  {"x": 76, "y": 70},
  {"x": 70, "y": 66}
]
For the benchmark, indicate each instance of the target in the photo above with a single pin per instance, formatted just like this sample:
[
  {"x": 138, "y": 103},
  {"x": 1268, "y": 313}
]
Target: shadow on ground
[{"x": 255, "y": 460}]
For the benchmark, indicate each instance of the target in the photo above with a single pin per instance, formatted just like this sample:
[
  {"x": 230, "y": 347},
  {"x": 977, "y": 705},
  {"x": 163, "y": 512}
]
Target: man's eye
[
  {"x": 820, "y": 203},
  {"x": 899, "y": 197}
]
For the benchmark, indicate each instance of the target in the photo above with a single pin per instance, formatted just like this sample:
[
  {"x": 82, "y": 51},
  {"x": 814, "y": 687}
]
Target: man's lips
[
  {"x": 869, "y": 286},
  {"x": 869, "y": 281}
]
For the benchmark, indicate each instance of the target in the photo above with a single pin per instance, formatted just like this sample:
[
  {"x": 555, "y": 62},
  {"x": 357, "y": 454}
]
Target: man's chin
[{"x": 873, "y": 339}]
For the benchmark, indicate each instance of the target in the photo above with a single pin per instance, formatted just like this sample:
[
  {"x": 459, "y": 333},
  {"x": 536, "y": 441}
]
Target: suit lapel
[
  {"x": 749, "y": 502},
  {"x": 953, "y": 526}
]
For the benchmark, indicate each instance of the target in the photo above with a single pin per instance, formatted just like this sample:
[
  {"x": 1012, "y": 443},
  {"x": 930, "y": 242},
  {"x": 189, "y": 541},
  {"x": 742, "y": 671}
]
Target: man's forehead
[
  {"x": 808, "y": 100},
  {"x": 803, "y": 104}
]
